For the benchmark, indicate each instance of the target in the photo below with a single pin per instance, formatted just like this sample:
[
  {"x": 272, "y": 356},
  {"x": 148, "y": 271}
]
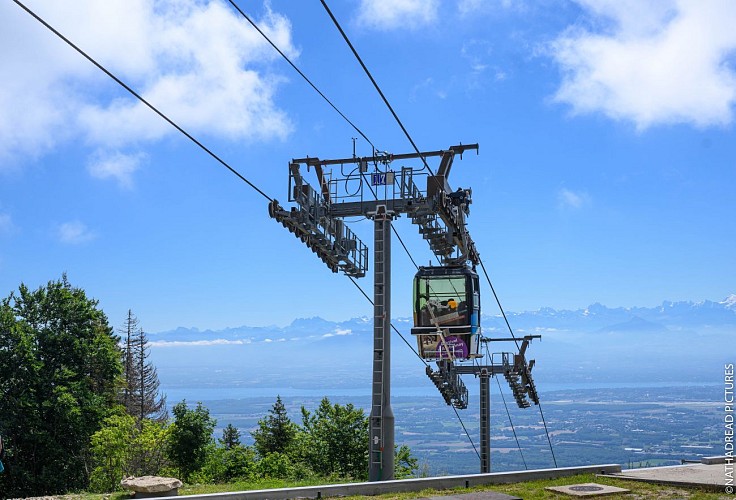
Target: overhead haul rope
[
  {"x": 209, "y": 151},
  {"x": 408, "y": 136},
  {"x": 306, "y": 79},
  {"x": 539, "y": 405},
  {"x": 462, "y": 424},
  {"x": 508, "y": 413},
  {"x": 373, "y": 81},
  {"x": 143, "y": 100},
  {"x": 512, "y": 423},
  {"x": 162, "y": 115}
]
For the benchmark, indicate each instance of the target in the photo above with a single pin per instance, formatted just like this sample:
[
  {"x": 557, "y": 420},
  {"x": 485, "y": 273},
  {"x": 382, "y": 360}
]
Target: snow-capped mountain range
[
  {"x": 672, "y": 316},
  {"x": 673, "y": 342}
]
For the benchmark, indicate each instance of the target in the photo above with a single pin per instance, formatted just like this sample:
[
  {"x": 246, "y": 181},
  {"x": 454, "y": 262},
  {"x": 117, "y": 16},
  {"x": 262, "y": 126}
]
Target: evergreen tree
[
  {"x": 59, "y": 365},
  {"x": 127, "y": 333},
  {"x": 230, "y": 437},
  {"x": 145, "y": 400},
  {"x": 336, "y": 440},
  {"x": 405, "y": 465},
  {"x": 275, "y": 432},
  {"x": 140, "y": 395}
]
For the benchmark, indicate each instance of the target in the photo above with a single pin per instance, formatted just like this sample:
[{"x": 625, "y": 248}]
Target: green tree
[
  {"x": 335, "y": 440},
  {"x": 275, "y": 433},
  {"x": 59, "y": 365},
  {"x": 277, "y": 466},
  {"x": 111, "y": 449},
  {"x": 227, "y": 464},
  {"x": 146, "y": 402},
  {"x": 404, "y": 463},
  {"x": 230, "y": 437},
  {"x": 189, "y": 437},
  {"x": 140, "y": 393},
  {"x": 123, "y": 447},
  {"x": 127, "y": 334}
]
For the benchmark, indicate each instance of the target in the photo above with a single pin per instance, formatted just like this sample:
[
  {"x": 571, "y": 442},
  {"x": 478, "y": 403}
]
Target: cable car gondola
[{"x": 447, "y": 312}]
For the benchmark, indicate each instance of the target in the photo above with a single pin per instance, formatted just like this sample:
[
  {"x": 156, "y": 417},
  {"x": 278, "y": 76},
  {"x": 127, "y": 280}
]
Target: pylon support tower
[
  {"x": 381, "y": 447},
  {"x": 485, "y": 420},
  {"x": 381, "y": 195},
  {"x": 514, "y": 368}
]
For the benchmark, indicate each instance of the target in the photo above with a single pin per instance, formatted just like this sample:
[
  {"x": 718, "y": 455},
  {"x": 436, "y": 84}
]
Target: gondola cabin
[{"x": 446, "y": 312}]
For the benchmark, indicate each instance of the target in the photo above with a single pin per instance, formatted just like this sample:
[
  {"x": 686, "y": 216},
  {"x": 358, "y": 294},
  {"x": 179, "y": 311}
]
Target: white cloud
[
  {"x": 393, "y": 14},
  {"x": 651, "y": 62},
  {"x": 571, "y": 199},
  {"x": 116, "y": 165},
  {"x": 74, "y": 233},
  {"x": 198, "y": 62},
  {"x": 338, "y": 333},
  {"x": 196, "y": 343}
]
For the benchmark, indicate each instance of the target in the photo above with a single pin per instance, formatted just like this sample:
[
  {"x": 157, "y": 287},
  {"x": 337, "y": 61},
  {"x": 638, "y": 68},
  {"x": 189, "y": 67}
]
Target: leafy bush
[
  {"x": 123, "y": 448},
  {"x": 224, "y": 465},
  {"x": 189, "y": 438}
]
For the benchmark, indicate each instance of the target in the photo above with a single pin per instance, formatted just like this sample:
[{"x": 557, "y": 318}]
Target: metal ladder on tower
[{"x": 378, "y": 325}]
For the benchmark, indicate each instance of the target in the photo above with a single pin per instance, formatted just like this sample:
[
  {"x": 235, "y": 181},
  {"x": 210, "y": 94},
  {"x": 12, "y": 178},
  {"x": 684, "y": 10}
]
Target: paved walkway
[{"x": 710, "y": 476}]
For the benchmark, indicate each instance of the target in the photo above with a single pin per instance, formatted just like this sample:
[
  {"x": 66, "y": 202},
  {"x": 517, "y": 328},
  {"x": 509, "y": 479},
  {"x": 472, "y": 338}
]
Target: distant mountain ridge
[
  {"x": 596, "y": 318},
  {"x": 674, "y": 341}
]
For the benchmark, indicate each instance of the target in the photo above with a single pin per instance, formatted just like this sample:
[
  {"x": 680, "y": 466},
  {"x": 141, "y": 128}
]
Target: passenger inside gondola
[{"x": 446, "y": 306}]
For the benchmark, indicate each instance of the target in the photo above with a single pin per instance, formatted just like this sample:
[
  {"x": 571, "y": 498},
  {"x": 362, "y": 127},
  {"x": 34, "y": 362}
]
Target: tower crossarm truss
[
  {"x": 451, "y": 208},
  {"x": 437, "y": 210},
  {"x": 327, "y": 236},
  {"x": 447, "y": 380},
  {"x": 518, "y": 372}
]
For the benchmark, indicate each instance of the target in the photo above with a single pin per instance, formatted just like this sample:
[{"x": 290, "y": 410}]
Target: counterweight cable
[{"x": 143, "y": 100}]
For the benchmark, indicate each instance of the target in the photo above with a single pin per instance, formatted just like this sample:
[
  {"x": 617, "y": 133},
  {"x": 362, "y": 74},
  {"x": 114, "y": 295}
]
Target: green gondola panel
[{"x": 447, "y": 312}]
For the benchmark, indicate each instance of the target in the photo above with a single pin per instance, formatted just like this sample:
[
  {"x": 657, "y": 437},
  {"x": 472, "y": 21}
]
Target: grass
[
  {"x": 530, "y": 490},
  {"x": 534, "y": 490},
  {"x": 639, "y": 490},
  {"x": 262, "y": 484}
]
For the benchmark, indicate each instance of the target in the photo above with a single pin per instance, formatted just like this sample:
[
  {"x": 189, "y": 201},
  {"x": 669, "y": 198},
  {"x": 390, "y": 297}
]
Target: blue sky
[{"x": 606, "y": 171}]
